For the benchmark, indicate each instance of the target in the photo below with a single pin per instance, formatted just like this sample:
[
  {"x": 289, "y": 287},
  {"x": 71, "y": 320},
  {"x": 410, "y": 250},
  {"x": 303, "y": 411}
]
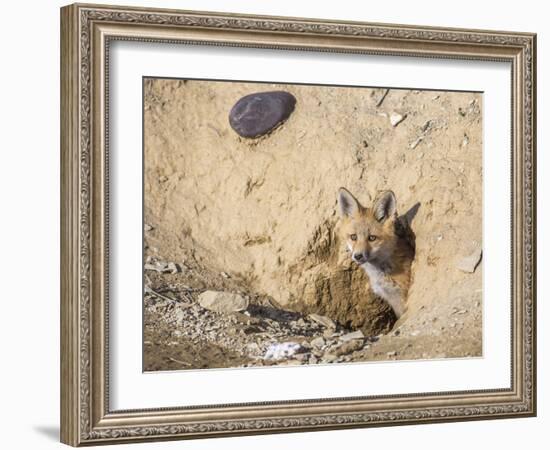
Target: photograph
[{"x": 301, "y": 224}]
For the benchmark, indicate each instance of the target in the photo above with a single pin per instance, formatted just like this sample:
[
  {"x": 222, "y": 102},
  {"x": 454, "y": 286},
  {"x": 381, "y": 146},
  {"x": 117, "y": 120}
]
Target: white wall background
[{"x": 29, "y": 221}]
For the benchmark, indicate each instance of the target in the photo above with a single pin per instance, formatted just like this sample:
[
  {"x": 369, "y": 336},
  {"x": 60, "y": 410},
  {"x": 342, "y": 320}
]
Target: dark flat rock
[{"x": 255, "y": 115}]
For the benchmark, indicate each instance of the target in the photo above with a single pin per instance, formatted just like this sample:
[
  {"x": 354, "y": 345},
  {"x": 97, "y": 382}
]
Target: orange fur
[{"x": 381, "y": 243}]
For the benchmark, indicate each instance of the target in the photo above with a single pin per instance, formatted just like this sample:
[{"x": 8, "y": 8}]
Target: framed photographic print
[{"x": 275, "y": 225}]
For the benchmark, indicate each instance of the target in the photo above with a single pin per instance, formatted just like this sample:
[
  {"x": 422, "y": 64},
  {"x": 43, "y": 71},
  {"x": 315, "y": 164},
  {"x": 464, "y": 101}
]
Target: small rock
[
  {"x": 161, "y": 266},
  {"x": 396, "y": 118},
  {"x": 148, "y": 227},
  {"x": 253, "y": 347},
  {"x": 322, "y": 320},
  {"x": 351, "y": 336},
  {"x": 390, "y": 354},
  {"x": 470, "y": 262},
  {"x": 348, "y": 347},
  {"x": 292, "y": 362},
  {"x": 281, "y": 350},
  {"x": 222, "y": 302},
  {"x": 171, "y": 268},
  {"x": 304, "y": 357},
  {"x": 257, "y": 114},
  {"x": 318, "y": 342},
  {"x": 329, "y": 358},
  {"x": 330, "y": 333},
  {"x": 225, "y": 275}
]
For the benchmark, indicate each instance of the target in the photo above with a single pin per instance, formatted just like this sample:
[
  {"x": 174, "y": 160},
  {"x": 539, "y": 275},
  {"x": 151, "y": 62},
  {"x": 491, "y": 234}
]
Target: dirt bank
[{"x": 263, "y": 211}]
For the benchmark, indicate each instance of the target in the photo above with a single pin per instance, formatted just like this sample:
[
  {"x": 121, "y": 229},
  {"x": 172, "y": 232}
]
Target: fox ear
[
  {"x": 385, "y": 206},
  {"x": 347, "y": 203}
]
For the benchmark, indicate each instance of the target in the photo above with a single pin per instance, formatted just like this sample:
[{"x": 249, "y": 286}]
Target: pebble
[
  {"x": 257, "y": 114},
  {"x": 322, "y": 320},
  {"x": 161, "y": 266},
  {"x": 291, "y": 362},
  {"x": 318, "y": 342},
  {"x": 253, "y": 347},
  {"x": 348, "y": 347},
  {"x": 330, "y": 333},
  {"x": 351, "y": 336},
  {"x": 222, "y": 302},
  {"x": 394, "y": 353},
  {"x": 470, "y": 262},
  {"x": 396, "y": 118},
  {"x": 329, "y": 358}
]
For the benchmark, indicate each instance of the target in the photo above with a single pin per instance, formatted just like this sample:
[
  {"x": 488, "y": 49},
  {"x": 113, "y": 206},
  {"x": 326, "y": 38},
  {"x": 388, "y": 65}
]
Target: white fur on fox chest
[{"x": 383, "y": 286}]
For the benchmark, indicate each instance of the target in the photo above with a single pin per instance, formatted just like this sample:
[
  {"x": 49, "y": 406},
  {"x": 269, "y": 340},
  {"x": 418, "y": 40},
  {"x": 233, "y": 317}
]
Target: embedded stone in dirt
[
  {"x": 318, "y": 342},
  {"x": 257, "y": 114},
  {"x": 396, "y": 118},
  {"x": 347, "y": 347},
  {"x": 161, "y": 266},
  {"x": 351, "y": 336},
  {"x": 470, "y": 262},
  {"x": 322, "y": 320},
  {"x": 222, "y": 302}
]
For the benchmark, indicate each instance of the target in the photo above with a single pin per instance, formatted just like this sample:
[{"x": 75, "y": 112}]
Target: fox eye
[
  {"x": 372, "y": 237},
  {"x": 353, "y": 237}
]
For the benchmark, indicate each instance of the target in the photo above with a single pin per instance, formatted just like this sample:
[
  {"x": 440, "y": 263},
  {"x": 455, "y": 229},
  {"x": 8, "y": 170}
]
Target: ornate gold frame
[{"x": 86, "y": 31}]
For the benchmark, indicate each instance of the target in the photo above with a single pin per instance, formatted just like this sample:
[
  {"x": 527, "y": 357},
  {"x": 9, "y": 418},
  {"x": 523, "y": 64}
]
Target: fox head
[{"x": 369, "y": 233}]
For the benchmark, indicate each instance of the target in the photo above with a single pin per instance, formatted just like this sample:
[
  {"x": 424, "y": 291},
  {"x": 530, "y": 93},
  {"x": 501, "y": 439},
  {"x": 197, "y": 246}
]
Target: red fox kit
[{"x": 381, "y": 243}]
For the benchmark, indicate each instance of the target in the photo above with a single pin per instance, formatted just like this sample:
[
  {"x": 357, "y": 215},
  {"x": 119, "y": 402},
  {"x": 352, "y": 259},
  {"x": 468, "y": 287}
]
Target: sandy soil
[{"x": 258, "y": 217}]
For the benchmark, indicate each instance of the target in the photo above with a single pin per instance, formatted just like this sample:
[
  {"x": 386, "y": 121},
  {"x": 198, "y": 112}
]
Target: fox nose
[{"x": 359, "y": 257}]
